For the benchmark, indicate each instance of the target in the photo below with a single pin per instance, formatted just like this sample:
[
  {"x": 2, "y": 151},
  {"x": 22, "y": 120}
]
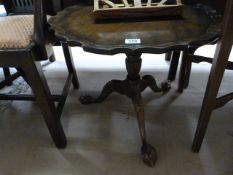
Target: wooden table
[{"x": 197, "y": 25}]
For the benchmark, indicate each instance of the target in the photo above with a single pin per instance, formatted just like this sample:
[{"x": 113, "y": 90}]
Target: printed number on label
[{"x": 132, "y": 41}]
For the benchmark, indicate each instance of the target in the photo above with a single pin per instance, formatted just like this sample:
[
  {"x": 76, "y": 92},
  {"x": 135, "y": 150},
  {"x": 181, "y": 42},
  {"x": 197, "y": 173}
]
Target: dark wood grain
[
  {"x": 27, "y": 61},
  {"x": 216, "y": 5},
  {"x": 77, "y": 25},
  {"x": 198, "y": 25},
  {"x": 220, "y": 62},
  {"x": 175, "y": 55},
  {"x": 132, "y": 87}
]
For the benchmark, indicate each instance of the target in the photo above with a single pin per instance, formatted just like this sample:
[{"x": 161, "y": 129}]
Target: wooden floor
[{"x": 103, "y": 138}]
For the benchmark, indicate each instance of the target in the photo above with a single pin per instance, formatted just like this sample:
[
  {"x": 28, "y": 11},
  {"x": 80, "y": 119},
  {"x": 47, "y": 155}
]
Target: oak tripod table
[{"x": 134, "y": 37}]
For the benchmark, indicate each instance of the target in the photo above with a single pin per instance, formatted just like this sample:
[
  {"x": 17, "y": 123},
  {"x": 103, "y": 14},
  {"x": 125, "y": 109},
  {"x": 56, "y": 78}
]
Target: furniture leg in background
[{"x": 174, "y": 56}]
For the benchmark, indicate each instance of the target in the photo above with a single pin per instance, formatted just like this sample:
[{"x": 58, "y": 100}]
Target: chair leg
[
  {"x": 182, "y": 72},
  {"x": 70, "y": 64},
  {"x": 173, "y": 65},
  {"x": 204, "y": 118},
  {"x": 187, "y": 72},
  {"x": 220, "y": 62},
  {"x": 168, "y": 56},
  {"x": 35, "y": 75},
  {"x": 7, "y": 75},
  {"x": 189, "y": 67},
  {"x": 208, "y": 105}
]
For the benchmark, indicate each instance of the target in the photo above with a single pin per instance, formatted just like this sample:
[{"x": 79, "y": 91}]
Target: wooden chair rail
[
  {"x": 60, "y": 98},
  {"x": 221, "y": 101},
  {"x": 199, "y": 59},
  {"x": 8, "y": 80}
]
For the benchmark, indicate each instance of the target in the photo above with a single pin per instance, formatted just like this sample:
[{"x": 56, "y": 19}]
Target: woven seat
[{"x": 16, "y": 31}]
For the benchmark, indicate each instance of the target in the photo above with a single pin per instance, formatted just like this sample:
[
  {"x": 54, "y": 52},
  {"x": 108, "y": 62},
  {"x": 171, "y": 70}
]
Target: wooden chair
[
  {"x": 28, "y": 43},
  {"x": 14, "y": 7},
  {"x": 220, "y": 63},
  {"x": 26, "y": 6},
  {"x": 22, "y": 7},
  {"x": 6, "y": 71},
  {"x": 188, "y": 57}
]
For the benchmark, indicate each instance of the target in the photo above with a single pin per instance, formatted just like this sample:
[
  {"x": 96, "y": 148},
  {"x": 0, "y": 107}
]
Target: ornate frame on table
[{"x": 136, "y": 8}]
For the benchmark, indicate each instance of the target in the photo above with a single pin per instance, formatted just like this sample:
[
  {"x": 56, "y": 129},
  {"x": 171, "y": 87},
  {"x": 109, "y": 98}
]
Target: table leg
[{"x": 132, "y": 87}]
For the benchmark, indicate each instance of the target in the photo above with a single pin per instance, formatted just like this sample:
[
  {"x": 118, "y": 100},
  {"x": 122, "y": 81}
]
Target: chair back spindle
[
  {"x": 17, "y": 7},
  {"x": 22, "y": 6}
]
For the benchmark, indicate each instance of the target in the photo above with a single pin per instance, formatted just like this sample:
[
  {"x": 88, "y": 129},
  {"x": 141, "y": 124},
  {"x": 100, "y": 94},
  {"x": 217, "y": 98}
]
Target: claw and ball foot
[
  {"x": 149, "y": 155},
  {"x": 166, "y": 86},
  {"x": 132, "y": 87},
  {"x": 149, "y": 81}
]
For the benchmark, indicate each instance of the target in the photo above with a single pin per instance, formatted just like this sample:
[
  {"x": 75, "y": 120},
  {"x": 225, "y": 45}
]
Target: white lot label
[{"x": 132, "y": 41}]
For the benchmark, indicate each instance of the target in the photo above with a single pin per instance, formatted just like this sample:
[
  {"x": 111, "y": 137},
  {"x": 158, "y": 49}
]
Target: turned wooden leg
[
  {"x": 149, "y": 154},
  {"x": 132, "y": 87},
  {"x": 70, "y": 64},
  {"x": 133, "y": 66},
  {"x": 173, "y": 65},
  {"x": 35, "y": 76}
]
